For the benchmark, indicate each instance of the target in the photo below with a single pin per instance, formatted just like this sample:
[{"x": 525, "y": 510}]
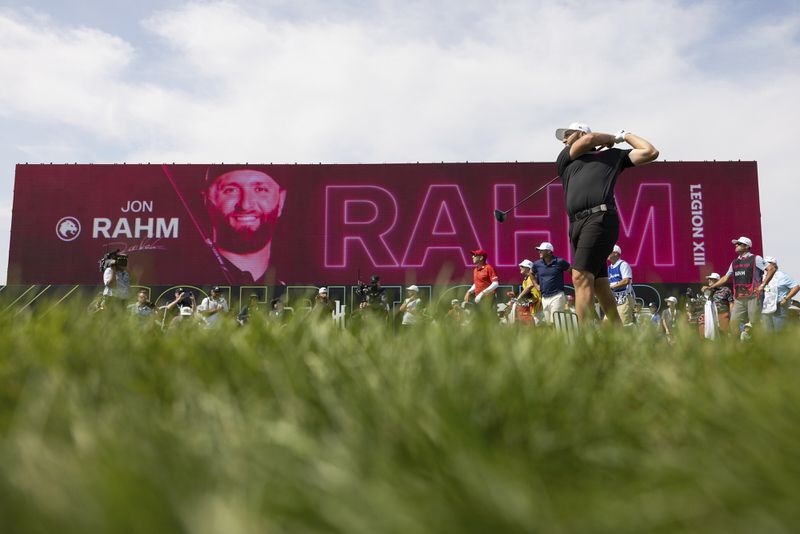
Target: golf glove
[
  {"x": 619, "y": 137},
  {"x": 478, "y": 297}
]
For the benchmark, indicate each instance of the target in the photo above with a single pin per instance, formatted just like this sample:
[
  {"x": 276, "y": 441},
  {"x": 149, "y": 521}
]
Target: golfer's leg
[
  {"x": 584, "y": 294},
  {"x": 603, "y": 291}
]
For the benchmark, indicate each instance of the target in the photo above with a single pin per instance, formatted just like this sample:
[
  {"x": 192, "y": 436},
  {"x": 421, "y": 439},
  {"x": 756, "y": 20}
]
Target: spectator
[
  {"x": 747, "y": 332},
  {"x": 484, "y": 281},
  {"x": 550, "y": 270},
  {"x": 655, "y": 317},
  {"x": 570, "y": 307},
  {"x": 411, "y": 308},
  {"x": 530, "y": 299},
  {"x": 182, "y": 299},
  {"x": 778, "y": 297},
  {"x": 250, "y": 311},
  {"x": 184, "y": 319},
  {"x": 142, "y": 308},
  {"x": 620, "y": 279},
  {"x": 669, "y": 318},
  {"x": 455, "y": 315},
  {"x": 277, "y": 312},
  {"x": 116, "y": 282},
  {"x": 322, "y": 304},
  {"x": 213, "y": 307},
  {"x": 722, "y": 297},
  {"x": 747, "y": 271}
]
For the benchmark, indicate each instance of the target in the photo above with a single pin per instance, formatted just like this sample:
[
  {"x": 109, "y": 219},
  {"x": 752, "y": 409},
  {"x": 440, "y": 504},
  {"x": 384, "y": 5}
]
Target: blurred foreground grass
[{"x": 108, "y": 428}]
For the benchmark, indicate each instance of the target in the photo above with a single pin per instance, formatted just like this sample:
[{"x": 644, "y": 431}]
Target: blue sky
[{"x": 394, "y": 80}]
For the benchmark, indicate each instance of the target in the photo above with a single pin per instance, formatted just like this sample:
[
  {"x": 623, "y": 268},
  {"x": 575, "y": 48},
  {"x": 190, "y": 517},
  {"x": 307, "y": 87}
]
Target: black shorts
[{"x": 592, "y": 239}]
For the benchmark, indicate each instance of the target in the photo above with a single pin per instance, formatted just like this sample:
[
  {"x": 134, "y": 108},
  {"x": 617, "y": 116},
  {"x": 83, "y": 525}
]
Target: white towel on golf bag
[
  {"x": 711, "y": 320},
  {"x": 770, "y": 297}
]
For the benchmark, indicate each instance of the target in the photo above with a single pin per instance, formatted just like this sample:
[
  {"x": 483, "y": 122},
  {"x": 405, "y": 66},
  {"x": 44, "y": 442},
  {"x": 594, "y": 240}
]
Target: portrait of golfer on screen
[{"x": 243, "y": 207}]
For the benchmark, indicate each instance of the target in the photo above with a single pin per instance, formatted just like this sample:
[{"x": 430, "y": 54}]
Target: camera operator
[
  {"x": 374, "y": 296},
  {"x": 213, "y": 308},
  {"x": 116, "y": 281}
]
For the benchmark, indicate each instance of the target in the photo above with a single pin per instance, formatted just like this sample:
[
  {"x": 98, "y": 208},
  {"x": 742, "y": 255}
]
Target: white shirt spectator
[
  {"x": 777, "y": 290},
  {"x": 121, "y": 286},
  {"x": 411, "y": 315},
  {"x": 220, "y": 305}
]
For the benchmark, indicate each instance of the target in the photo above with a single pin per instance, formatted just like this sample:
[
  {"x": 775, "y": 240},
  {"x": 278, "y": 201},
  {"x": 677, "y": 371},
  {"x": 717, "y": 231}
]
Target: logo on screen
[{"x": 68, "y": 228}]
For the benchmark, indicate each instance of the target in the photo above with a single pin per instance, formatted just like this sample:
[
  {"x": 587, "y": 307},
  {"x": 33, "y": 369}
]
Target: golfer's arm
[
  {"x": 643, "y": 151},
  {"x": 587, "y": 143}
]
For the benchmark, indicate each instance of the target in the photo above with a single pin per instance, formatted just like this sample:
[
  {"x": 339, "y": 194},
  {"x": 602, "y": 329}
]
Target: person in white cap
[
  {"x": 722, "y": 297},
  {"x": 323, "y": 307},
  {"x": 214, "y": 307},
  {"x": 620, "y": 279},
  {"x": 669, "y": 318},
  {"x": 411, "y": 306},
  {"x": 777, "y": 297},
  {"x": 550, "y": 271},
  {"x": 747, "y": 271},
  {"x": 589, "y": 175},
  {"x": 529, "y": 300}
]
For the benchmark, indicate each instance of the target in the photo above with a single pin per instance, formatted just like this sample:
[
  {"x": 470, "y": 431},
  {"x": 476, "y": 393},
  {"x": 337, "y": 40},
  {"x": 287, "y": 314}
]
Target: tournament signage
[{"x": 322, "y": 224}]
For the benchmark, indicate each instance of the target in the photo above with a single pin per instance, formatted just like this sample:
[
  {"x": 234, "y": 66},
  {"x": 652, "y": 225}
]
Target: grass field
[{"x": 109, "y": 428}]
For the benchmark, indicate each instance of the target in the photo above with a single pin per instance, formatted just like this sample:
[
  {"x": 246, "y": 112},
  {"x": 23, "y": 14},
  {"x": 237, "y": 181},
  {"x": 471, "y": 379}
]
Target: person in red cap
[{"x": 484, "y": 280}]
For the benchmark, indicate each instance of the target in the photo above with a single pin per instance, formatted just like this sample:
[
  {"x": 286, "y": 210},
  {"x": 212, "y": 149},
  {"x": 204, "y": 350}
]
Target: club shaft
[{"x": 529, "y": 196}]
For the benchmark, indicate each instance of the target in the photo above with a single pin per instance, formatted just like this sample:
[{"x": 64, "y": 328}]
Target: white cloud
[{"x": 407, "y": 81}]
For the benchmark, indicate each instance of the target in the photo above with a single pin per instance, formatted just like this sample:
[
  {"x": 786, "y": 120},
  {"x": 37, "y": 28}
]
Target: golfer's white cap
[
  {"x": 412, "y": 288},
  {"x": 714, "y": 276},
  {"x": 562, "y": 133},
  {"x": 186, "y": 310},
  {"x": 526, "y": 263},
  {"x": 671, "y": 299},
  {"x": 617, "y": 250},
  {"x": 743, "y": 240},
  {"x": 545, "y": 246},
  {"x": 771, "y": 259},
  {"x": 323, "y": 290}
]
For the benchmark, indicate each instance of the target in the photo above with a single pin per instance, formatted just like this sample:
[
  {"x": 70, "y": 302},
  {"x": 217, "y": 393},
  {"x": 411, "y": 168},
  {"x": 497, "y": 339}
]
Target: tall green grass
[{"x": 106, "y": 427}]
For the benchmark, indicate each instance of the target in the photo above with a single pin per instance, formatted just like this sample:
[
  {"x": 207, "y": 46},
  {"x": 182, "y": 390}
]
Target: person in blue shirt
[
  {"x": 777, "y": 297},
  {"x": 550, "y": 271}
]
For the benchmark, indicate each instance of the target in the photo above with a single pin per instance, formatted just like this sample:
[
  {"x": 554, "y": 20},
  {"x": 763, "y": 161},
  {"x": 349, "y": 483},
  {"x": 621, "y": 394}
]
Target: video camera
[
  {"x": 372, "y": 293},
  {"x": 114, "y": 258}
]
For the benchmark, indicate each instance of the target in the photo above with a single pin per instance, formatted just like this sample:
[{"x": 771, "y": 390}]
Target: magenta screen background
[{"x": 404, "y": 222}]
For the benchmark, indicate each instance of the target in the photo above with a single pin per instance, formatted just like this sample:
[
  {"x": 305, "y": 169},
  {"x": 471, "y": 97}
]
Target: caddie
[{"x": 620, "y": 279}]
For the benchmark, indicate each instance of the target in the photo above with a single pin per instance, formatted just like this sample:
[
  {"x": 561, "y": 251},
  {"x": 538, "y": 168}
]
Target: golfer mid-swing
[{"x": 589, "y": 174}]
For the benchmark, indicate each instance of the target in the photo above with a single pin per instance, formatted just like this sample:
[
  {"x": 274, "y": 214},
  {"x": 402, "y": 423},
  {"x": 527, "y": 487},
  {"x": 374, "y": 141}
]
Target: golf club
[{"x": 501, "y": 215}]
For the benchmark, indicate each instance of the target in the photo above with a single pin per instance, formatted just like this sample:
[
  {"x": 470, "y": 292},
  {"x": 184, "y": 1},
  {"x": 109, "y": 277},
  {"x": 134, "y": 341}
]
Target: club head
[{"x": 500, "y": 215}]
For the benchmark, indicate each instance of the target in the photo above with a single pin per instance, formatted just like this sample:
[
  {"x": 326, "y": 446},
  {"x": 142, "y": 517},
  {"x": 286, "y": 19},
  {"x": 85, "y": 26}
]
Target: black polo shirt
[{"x": 589, "y": 180}]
